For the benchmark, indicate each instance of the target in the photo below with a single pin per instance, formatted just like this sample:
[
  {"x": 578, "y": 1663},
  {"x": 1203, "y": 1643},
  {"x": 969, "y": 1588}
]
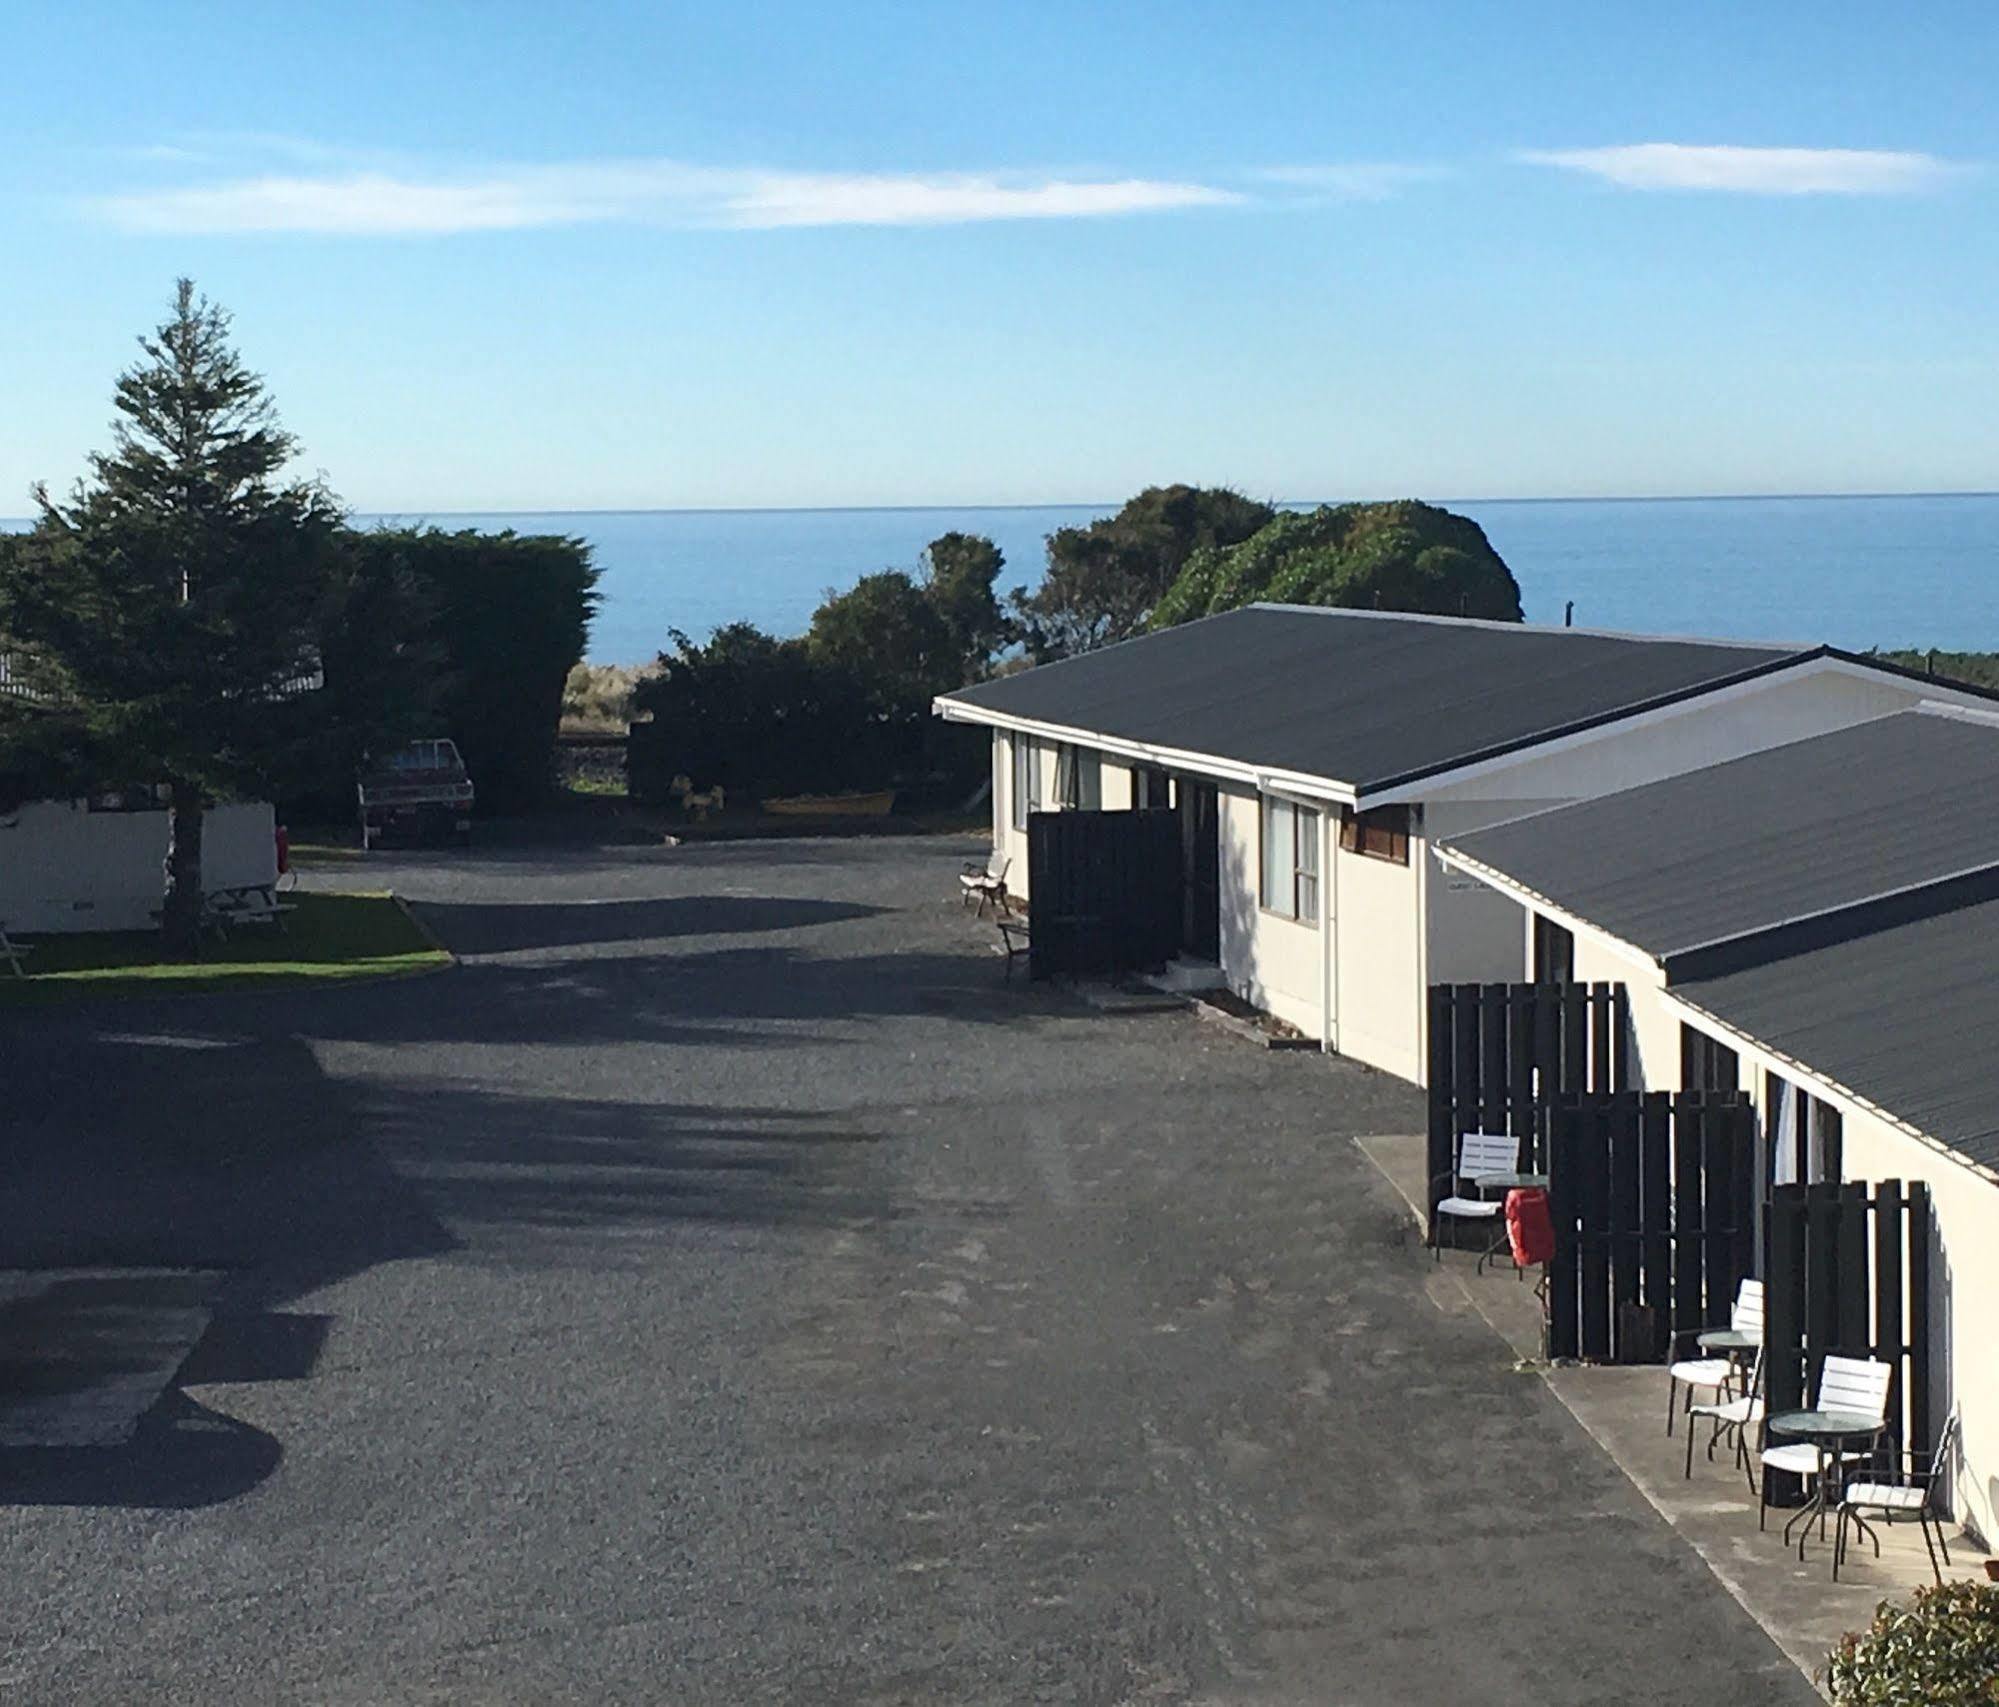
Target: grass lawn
[{"x": 326, "y": 937}]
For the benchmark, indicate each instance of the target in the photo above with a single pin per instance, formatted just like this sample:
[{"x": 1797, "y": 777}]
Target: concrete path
[
  {"x": 723, "y": 1288},
  {"x": 1789, "y": 1592}
]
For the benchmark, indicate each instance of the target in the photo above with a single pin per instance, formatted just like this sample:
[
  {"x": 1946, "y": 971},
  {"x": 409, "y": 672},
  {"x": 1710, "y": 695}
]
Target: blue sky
[{"x": 595, "y": 256}]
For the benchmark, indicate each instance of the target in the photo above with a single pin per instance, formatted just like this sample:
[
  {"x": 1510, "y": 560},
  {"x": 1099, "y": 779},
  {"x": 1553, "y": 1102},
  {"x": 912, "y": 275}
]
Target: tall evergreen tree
[{"x": 170, "y": 606}]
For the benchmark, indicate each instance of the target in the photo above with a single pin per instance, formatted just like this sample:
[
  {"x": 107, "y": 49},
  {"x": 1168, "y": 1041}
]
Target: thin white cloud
[
  {"x": 1752, "y": 171},
  {"x": 1360, "y": 180},
  {"x": 383, "y": 202}
]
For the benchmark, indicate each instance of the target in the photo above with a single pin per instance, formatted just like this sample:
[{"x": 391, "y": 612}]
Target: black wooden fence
[
  {"x": 1103, "y": 891},
  {"x": 1499, "y": 1051},
  {"x": 1848, "y": 1272},
  {"x": 1653, "y": 1197}
]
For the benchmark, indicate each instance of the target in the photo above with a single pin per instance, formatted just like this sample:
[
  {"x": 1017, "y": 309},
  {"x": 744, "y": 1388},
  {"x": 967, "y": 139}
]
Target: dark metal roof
[
  {"x": 1767, "y": 840},
  {"x": 1367, "y": 698},
  {"x": 1904, "y": 1017}
]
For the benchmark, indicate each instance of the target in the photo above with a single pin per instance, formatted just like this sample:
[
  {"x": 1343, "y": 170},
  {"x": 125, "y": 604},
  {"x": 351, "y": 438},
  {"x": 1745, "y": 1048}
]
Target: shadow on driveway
[{"x": 488, "y": 928}]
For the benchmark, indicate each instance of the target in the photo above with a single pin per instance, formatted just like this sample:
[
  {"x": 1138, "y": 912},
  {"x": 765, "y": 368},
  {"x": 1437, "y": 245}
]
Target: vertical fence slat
[
  {"x": 1600, "y": 1078},
  {"x": 1784, "y": 1301},
  {"x": 1620, "y": 1038},
  {"x": 1492, "y": 1060},
  {"x": 1439, "y": 1159},
  {"x": 1520, "y": 1074},
  {"x": 1655, "y": 1186},
  {"x": 1718, "y": 1172},
  {"x": 1742, "y": 1194},
  {"x": 1922, "y": 1436},
  {"x": 1575, "y": 1041},
  {"x": 1465, "y": 1062},
  {"x": 1821, "y": 1276},
  {"x": 1593, "y": 1153},
  {"x": 1622, "y": 1228},
  {"x": 1689, "y": 1299},
  {"x": 1890, "y": 1291},
  {"x": 1559, "y": 1144},
  {"x": 1855, "y": 1334}
]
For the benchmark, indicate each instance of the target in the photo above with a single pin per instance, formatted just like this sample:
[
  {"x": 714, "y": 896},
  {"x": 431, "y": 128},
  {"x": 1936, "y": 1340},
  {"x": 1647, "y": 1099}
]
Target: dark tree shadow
[
  {"x": 499, "y": 928},
  {"x": 182, "y": 1456}
]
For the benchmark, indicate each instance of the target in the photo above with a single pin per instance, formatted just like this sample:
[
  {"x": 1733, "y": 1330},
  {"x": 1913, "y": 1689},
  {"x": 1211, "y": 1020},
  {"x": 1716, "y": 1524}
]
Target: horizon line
[{"x": 1108, "y": 504}]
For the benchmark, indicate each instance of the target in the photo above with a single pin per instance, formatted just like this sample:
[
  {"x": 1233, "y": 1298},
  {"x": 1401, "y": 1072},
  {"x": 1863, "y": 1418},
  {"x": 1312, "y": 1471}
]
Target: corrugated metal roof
[
  {"x": 1905, "y": 1017},
  {"x": 1779, "y": 835},
  {"x": 1364, "y": 698}
]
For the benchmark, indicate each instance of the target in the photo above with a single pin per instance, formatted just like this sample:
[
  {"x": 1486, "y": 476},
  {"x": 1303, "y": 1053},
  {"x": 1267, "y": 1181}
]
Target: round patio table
[
  {"x": 1828, "y": 1431},
  {"x": 1510, "y": 1182}
]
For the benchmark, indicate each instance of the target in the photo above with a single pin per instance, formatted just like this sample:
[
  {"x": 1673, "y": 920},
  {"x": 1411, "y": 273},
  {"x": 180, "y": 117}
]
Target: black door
[{"x": 1200, "y": 871}]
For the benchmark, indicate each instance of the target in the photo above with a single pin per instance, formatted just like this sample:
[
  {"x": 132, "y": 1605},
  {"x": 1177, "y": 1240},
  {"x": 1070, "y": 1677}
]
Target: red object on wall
[
  {"x": 1529, "y": 1228},
  {"x": 284, "y": 850}
]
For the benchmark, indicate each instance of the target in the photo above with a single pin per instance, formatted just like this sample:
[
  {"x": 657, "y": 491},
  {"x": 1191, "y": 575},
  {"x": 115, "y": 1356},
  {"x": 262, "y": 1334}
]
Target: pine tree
[{"x": 169, "y": 607}]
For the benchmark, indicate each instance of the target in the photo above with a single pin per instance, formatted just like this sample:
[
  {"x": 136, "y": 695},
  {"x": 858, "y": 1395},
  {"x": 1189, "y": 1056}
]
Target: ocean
[
  {"x": 1857, "y": 572},
  {"x": 1860, "y": 571}
]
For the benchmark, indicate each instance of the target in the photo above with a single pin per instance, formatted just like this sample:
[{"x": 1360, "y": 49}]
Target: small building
[
  {"x": 1314, "y": 755},
  {"x": 98, "y": 863},
  {"x": 1816, "y": 925}
]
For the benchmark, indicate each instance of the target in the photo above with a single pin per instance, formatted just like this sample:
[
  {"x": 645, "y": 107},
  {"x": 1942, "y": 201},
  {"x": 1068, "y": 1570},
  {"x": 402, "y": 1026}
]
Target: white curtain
[
  {"x": 1279, "y": 894},
  {"x": 1784, "y": 1132}
]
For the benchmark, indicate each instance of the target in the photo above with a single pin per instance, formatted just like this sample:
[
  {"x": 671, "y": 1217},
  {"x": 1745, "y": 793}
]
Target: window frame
[
  {"x": 1300, "y": 867},
  {"x": 1023, "y": 780},
  {"x": 1381, "y": 832}
]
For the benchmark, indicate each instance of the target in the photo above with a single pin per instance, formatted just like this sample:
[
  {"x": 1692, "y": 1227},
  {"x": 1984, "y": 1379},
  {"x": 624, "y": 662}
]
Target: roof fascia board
[
  {"x": 1145, "y": 752},
  {"x": 1421, "y": 784},
  {"x": 1871, "y": 913},
  {"x": 1815, "y": 1082},
  {"x": 1535, "y": 901}
]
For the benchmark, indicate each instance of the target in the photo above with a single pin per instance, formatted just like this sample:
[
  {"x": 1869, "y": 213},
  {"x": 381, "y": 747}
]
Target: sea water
[{"x": 1857, "y": 572}]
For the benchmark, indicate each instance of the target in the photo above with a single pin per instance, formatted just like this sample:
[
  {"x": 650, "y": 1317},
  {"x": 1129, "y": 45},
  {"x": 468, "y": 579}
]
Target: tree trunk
[{"x": 180, "y": 917}]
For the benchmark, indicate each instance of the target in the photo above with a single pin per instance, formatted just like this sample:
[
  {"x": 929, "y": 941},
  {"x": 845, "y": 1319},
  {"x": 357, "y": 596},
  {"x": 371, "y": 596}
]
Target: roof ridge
[{"x": 1505, "y": 626}]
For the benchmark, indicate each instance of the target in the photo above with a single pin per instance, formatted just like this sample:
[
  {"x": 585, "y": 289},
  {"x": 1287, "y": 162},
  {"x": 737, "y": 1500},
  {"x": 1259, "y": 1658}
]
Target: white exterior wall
[
  {"x": 1378, "y": 959},
  {"x": 64, "y": 868},
  {"x": 1010, "y": 843},
  {"x": 1275, "y": 963},
  {"x": 1116, "y": 787},
  {"x": 1477, "y": 935}
]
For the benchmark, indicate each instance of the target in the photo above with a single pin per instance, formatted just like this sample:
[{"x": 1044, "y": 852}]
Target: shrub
[{"x": 1941, "y": 1650}]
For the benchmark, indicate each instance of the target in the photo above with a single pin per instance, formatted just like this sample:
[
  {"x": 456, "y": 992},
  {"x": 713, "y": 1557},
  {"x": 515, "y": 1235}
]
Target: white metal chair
[
  {"x": 11, "y": 951},
  {"x": 1481, "y": 1156},
  {"x": 1734, "y": 1416},
  {"x": 1714, "y": 1373},
  {"x": 1913, "y": 1496},
  {"x": 1856, "y": 1384},
  {"x": 986, "y": 883}
]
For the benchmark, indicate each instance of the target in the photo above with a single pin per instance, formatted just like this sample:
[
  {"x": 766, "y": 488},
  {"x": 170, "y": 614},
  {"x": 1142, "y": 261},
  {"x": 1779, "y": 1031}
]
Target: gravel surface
[{"x": 722, "y": 1288}]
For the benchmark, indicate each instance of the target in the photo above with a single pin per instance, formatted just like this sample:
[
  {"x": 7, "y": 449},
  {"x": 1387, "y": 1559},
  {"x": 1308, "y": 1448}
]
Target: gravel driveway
[{"x": 722, "y": 1288}]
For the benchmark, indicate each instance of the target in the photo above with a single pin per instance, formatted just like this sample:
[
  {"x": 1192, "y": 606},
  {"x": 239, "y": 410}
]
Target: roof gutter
[{"x": 1149, "y": 753}]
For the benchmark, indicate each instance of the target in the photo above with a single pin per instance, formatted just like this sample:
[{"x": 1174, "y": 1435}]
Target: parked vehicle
[{"x": 419, "y": 790}]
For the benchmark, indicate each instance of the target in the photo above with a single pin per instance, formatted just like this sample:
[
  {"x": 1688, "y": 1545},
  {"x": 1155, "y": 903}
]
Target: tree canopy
[
  {"x": 1105, "y": 578},
  {"x": 171, "y": 606},
  {"x": 1402, "y": 556}
]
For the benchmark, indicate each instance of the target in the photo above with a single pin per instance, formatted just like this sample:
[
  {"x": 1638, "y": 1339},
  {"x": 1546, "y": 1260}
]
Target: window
[
  {"x": 1023, "y": 780},
  {"x": 1151, "y": 790},
  {"x": 1291, "y": 860},
  {"x": 1806, "y": 1135},
  {"x": 1382, "y": 833},
  {"x": 1554, "y": 952},
  {"x": 1706, "y": 1063},
  {"x": 1079, "y": 780}
]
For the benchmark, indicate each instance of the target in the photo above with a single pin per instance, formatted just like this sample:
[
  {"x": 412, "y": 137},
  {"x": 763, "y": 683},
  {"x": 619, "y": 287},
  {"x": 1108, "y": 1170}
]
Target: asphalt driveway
[{"x": 722, "y": 1288}]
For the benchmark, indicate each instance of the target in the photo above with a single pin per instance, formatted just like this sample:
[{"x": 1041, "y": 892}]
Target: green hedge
[
  {"x": 491, "y": 624},
  {"x": 1940, "y": 1649}
]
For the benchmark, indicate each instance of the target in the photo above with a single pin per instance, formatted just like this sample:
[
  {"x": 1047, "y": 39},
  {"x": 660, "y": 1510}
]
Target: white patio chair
[
  {"x": 985, "y": 883},
  {"x": 1857, "y": 1384},
  {"x": 1913, "y": 1496},
  {"x": 11, "y": 951},
  {"x": 1732, "y": 1416},
  {"x": 1481, "y": 1156},
  {"x": 1715, "y": 1373}
]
